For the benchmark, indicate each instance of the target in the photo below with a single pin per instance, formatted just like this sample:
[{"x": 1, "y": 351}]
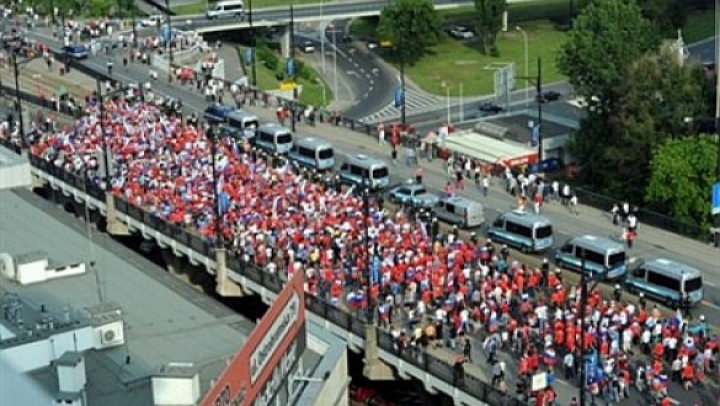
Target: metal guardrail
[{"x": 439, "y": 368}]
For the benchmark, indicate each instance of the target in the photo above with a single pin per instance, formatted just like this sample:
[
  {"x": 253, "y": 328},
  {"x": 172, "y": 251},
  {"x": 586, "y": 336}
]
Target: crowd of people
[{"x": 425, "y": 285}]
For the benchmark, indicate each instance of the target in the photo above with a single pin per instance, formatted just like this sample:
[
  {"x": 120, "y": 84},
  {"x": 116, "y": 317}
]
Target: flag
[{"x": 224, "y": 202}]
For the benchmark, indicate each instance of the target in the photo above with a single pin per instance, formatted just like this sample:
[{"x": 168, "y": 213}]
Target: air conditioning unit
[{"x": 111, "y": 335}]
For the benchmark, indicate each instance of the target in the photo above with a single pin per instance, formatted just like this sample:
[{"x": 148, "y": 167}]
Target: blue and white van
[
  {"x": 525, "y": 231},
  {"x": 274, "y": 138},
  {"x": 364, "y": 171},
  {"x": 313, "y": 153},
  {"x": 666, "y": 281},
  {"x": 592, "y": 254}
]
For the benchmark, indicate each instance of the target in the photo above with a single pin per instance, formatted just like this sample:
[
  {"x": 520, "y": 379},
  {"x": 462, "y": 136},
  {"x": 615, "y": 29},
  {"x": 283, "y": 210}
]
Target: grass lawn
[
  {"x": 312, "y": 90},
  {"x": 455, "y": 62},
  {"x": 201, "y": 6},
  {"x": 700, "y": 25},
  {"x": 554, "y": 10}
]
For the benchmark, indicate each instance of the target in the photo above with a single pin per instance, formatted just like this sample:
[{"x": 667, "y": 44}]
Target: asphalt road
[{"x": 651, "y": 243}]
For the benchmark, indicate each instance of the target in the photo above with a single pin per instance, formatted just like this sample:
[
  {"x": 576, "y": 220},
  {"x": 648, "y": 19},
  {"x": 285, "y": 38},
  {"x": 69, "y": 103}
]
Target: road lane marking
[
  {"x": 710, "y": 284},
  {"x": 711, "y": 305}
]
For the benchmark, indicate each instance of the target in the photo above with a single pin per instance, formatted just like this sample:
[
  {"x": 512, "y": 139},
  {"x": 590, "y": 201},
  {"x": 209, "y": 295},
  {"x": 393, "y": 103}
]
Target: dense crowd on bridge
[{"x": 428, "y": 287}]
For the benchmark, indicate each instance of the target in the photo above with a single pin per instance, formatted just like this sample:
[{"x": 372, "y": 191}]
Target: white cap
[{"x": 702, "y": 317}]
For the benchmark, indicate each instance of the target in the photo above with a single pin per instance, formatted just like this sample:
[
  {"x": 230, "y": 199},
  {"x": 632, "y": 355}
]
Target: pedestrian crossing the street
[{"x": 414, "y": 99}]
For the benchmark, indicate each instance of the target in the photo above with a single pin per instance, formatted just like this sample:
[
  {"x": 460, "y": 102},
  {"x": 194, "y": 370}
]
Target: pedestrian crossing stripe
[{"x": 413, "y": 100}]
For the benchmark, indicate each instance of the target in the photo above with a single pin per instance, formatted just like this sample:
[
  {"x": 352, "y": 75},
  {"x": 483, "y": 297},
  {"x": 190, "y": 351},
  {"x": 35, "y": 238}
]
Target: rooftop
[
  {"x": 167, "y": 320},
  {"x": 519, "y": 129}
]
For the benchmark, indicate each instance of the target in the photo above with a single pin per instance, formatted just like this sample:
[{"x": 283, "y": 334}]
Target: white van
[
  {"x": 362, "y": 170},
  {"x": 313, "y": 153},
  {"x": 226, "y": 8},
  {"x": 527, "y": 231},
  {"x": 667, "y": 281},
  {"x": 274, "y": 138},
  {"x": 459, "y": 211},
  {"x": 243, "y": 121}
]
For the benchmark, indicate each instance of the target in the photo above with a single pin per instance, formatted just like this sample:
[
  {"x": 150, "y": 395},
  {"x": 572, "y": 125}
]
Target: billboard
[{"x": 264, "y": 362}]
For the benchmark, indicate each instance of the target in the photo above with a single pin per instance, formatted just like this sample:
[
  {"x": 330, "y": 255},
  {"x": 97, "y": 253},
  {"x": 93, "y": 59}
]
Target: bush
[{"x": 267, "y": 57}]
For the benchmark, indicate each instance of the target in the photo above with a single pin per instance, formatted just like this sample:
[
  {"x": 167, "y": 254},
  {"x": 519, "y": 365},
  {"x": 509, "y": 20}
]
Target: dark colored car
[
  {"x": 486, "y": 109},
  {"x": 217, "y": 113},
  {"x": 547, "y": 97}
]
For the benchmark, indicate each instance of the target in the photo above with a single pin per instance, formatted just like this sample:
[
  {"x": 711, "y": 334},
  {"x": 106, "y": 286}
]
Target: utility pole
[
  {"x": 104, "y": 135},
  {"x": 292, "y": 57},
  {"x": 169, "y": 39},
  {"x": 253, "y": 44},
  {"x": 717, "y": 111},
  {"x": 134, "y": 23},
  {"x": 213, "y": 135},
  {"x": 583, "y": 326},
  {"x": 403, "y": 116},
  {"x": 368, "y": 264},
  {"x": 537, "y": 81},
  {"x": 52, "y": 12},
  {"x": 18, "y": 98}
]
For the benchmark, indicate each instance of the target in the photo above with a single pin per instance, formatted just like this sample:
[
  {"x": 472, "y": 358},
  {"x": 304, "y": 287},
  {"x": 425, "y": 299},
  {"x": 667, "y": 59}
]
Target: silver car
[{"x": 413, "y": 194}]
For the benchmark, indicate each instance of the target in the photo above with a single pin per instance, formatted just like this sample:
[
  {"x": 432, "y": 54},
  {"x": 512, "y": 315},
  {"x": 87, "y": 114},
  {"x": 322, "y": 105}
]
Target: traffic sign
[
  {"x": 716, "y": 198},
  {"x": 249, "y": 56},
  {"x": 398, "y": 96},
  {"x": 290, "y": 67}
]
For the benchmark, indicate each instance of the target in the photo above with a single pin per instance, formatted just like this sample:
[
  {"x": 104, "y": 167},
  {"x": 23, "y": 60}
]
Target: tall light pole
[
  {"x": 18, "y": 98},
  {"x": 717, "y": 110},
  {"x": 292, "y": 57},
  {"x": 253, "y": 44},
  {"x": 322, "y": 36},
  {"x": 525, "y": 42},
  {"x": 168, "y": 23},
  {"x": 335, "y": 76}
]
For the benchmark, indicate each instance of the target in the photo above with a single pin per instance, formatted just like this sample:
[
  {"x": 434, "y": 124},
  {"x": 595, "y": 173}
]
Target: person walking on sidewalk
[{"x": 418, "y": 175}]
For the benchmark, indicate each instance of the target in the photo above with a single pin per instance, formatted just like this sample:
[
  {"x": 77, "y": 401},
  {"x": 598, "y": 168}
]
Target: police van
[
  {"x": 274, "y": 138},
  {"x": 243, "y": 121},
  {"x": 525, "y": 231},
  {"x": 313, "y": 153},
  {"x": 459, "y": 211},
  {"x": 594, "y": 255},
  {"x": 362, "y": 170},
  {"x": 667, "y": 281}
]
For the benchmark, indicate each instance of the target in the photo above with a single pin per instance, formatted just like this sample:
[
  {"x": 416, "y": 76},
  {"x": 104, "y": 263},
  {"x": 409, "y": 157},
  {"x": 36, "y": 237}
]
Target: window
[
  {"x": 380, "y": 173},
  {"x": 450, "y": 207},
  {"x": 284, "y": 138},
  {"x": 640, "y": 273},
  {"x": 265, "y": 137},
  {"x": 543, "y": 232},
  {"x": 594, "y": 257},
  {"x": 357, "y": 171},
  {"x": 235, "y": 123},
  {"x": 663, "y": 281},
  {"x": 306, "y": 152},
  {"x": 616, "y": 259},
  {"x": 233, "y": 7},
  {"x": 692, "y": 285},
  {"x": 344, "y": 167},
  {"x": 568, "y": 248},
  {"x": 518, "y": 229},
  {"x": 251, "y": 124},
  {"x": 499, "y": 222},
  {"x": 326, "y": 153},
  {"x": 420, "y": 191},
  {"x": 403, "y": 191}
]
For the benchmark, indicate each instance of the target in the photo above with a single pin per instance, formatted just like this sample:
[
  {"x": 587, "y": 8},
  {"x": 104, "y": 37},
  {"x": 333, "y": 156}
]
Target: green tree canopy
[
  {"x": 683, "y": 171},
  {"x": 666, "y": 15},
  {"x": 605, "y": 39},
  {"x": 412, "y": 25},
  {"x": 489, "y": 22},
  {"x": 657, "y": 95}
]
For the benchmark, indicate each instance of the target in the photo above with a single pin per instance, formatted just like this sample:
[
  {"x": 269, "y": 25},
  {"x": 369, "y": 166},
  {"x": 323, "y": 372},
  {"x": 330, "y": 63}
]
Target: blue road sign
[
  {"x": 716, "y": 198},
  {"x": 290, "y": 67},
  {"x": 398, "y": 96},
  {"x": 166, "y": 33},
  {"x": 249, "y": 56},
  {"x": 535, "y": 135}
]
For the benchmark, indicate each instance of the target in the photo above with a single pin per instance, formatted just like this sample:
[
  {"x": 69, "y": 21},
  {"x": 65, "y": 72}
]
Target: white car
[
  {"x": 461, "y": 32},
  {"x": 153, "y": 20},
  {"x": 307, "y": 47}
]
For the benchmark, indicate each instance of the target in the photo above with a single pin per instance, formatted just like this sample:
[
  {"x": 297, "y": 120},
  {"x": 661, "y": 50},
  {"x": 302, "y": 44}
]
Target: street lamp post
[
  {"x": 527, "y": 65},
  {"x": 106, "y": 161},
  {"x": 292, "y": 57},
  {"x": 168, "y": 42},
  {"x": 583, "y": 326},
  {"x": 403, "y": 116},
  {"x": 537, "y": 80},
  {"x": 369, "y": 258},
  {"x": 253, "y": 44},
  {"x": 213, "y": 136},
  {"x": 717, "y": 111},
  {"x": 16, "y": 71}
]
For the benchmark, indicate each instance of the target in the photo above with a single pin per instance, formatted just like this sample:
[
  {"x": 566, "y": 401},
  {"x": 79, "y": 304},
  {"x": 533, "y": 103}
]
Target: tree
[
  {"x": 489, "y": 22},
  {"x": 412, "y": 25},
  {"x": 657, "y": 95},
  {"x": 667, "y": 15},
  {"x": 683, "y": 172},
  {"x": 605, "y": 39}
]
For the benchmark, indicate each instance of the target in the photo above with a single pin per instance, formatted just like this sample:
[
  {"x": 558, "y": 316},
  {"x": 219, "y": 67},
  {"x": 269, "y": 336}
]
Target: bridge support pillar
[
  {"x": 285, "y": 41},
  {"x": 114, "y": 225},
  {"x": 375, "y": 369},
  {"x": 224, "y": 286}
]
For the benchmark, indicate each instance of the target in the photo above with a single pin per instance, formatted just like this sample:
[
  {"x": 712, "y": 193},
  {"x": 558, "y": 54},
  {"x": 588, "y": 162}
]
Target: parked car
[
  {"x": 153, "y": 20},
  {"x": 308, "y": 47},
  {"x": 547, "y": 97},
  {"x": 76, "y": 51},
  {"x": 413, "y": 194},
  {"x": 486, "y": 109},
  {"x": 461, "y": 32}
]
